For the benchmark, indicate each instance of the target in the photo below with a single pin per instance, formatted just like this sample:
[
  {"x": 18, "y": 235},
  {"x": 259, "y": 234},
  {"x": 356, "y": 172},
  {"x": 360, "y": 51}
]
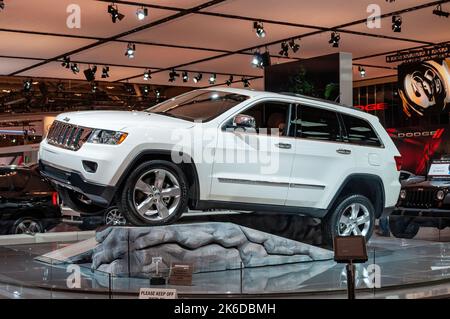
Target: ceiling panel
[
  {"x": 214, "y": 33},
  {"x": 37, "y": 46},
  {"x": 7, "y": 66},
  {"x": 146, "y": 55},
  {"x": 51, "y": 16},
  {"x": 329, "y": 13}
]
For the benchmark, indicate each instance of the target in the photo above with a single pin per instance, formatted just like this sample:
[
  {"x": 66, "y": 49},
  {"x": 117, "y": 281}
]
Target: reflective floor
[{"x": 416, "y": 264}]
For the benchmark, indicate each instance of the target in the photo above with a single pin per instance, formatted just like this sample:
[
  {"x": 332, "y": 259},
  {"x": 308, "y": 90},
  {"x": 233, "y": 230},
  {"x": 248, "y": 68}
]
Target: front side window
[
  {"x": 360, "y": 131},
  {"x": 199, "y": 106},
  {"x": 317, "y": 124}
]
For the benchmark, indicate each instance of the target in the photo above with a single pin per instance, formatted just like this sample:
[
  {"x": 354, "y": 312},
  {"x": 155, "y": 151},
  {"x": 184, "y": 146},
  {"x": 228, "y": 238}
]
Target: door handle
[
  {"x": 344, "y": 151},
  {"x": 285, "y": 146}
]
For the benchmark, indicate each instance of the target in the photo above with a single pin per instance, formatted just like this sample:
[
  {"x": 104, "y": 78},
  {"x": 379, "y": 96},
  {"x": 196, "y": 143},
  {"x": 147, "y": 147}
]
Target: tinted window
[
  {"x": 5, "y": 182},
  {"x": 318, "y": 124},
  {"x": 199, "y": 105},
  {"x": 360, "y": 132}
]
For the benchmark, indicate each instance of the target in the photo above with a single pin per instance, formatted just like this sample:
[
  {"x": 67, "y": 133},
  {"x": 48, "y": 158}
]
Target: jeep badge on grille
[{"x": 66, "y": 119}]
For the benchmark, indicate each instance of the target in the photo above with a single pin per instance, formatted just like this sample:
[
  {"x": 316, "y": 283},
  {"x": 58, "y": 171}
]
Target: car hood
[
  {"x": 428, "y": 184},
  {"x": 120, "y": 120}
]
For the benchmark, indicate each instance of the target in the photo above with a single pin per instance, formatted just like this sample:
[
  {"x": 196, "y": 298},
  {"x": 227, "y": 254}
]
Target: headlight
[
  {"x": 107, "y": 137},
  {"x": 402, "y": 194},
  {"x": 440, "y": 195}
]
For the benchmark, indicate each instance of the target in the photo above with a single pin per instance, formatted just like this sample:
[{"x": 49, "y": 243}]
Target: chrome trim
[
  {"x": 68, "y": 136},
  {"x": 267, "y": 183}
]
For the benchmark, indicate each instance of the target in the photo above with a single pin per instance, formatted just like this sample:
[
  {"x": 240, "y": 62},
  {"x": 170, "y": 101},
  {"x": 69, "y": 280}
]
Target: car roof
[{"x": 298, "y": 97}]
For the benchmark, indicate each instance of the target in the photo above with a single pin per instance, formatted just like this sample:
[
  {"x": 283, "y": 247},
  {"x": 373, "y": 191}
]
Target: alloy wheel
[
  {"x": 115, "y": 218},
  {"x": 156, "y": 194},
  {"x": 355, "y": 220},
  {"x": 28, "y": 226}
]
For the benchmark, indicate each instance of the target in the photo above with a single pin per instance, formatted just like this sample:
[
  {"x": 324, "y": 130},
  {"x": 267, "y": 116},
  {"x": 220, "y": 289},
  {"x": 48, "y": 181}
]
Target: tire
[
  {"x": 114, "y": 217},
  {"x": 27, "y": 225},
  {"x": 342, "y": 220},
  {"x": 78, "y": 202},
  {"x": 403, "y": 227},
  {"x": 146, "y": 186}
]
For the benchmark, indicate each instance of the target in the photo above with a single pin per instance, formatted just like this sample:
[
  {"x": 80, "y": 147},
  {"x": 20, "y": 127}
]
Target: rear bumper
[{"x": 99, "y": 194}]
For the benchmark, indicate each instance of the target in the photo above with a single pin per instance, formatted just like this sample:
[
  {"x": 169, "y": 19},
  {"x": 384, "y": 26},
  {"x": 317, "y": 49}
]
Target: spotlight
[
  {"x": 113, "y": 10},
  {"x": 256, "y": 60},
  {"x": 246, "y": 82},
  {"x": 145, "y": 90},
  {"x": 230, "y": 80},
  {"x": 93, "y": 87},
  {"x": 397, "y": 23},
  {"x": 90, "y": 73},
  {"x": 105, "y": 72},
  {"x": 441, "y": 13},
  {"x": 261, "y": 60},
  {"x": 27, "y": 85},
  {"x": 259, "y": 29},
  {"x": 334, "y": 39},
  {"x": 142, "y": 13},
  {"x": 2, "y": 5},
  {"x": 74, "y": 68},
  {"x": 66, "y": 62},
  {"x": 362, "y": 71},
  {"x": 131, "y": 49},
  {"x": 294, "y": 46},
  {"x": 212, "y": 79},
  {"x": 185, "y": 77},
  {"x": 147, "y": 75},
  {"x": 157, "y": 93},
  {"x": 284, "y": 49},
  {"x": 173, "y": 75},
  {"x": 198, "y": 78}
]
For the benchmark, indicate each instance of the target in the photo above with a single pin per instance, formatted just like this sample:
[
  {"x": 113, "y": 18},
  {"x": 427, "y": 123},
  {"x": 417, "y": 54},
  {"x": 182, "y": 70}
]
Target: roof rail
[{"x": 320, "y": 100}]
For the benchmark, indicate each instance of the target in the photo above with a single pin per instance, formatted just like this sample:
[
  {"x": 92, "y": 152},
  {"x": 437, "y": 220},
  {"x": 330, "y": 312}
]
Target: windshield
[
  {"x": 439, "y": 169},
  {"x": 199, "y": 106}
]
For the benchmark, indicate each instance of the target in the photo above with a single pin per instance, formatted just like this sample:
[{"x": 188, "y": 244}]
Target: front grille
[
  {"x": 420, "y": 198},
  {"x": 67, "y": 136}
]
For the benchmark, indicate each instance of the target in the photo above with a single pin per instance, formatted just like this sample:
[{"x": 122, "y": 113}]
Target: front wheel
[
  {"x": 154, "y": 194},
  {"x": 353, "y": 216}
]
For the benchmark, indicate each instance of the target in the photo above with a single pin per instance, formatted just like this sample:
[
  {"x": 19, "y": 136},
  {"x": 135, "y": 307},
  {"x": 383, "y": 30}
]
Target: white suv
[{"x": 227, "y": 148}]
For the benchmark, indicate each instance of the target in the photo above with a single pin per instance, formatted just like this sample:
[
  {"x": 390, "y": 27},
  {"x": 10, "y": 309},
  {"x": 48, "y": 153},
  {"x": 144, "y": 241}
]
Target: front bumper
[
  {"x": 422, "y": 212},
  {"x": 100, "y": 195}
]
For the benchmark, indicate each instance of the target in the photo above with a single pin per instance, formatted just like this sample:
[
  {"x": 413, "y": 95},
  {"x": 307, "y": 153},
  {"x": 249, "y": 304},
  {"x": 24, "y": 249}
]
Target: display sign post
[{"x": 350, "y": 250}]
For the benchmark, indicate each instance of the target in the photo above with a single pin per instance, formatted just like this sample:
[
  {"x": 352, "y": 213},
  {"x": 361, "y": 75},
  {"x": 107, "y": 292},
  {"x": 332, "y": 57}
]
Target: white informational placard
[
  {"x": 157, "y": 293},
  {"x": 439, "y": 169}
]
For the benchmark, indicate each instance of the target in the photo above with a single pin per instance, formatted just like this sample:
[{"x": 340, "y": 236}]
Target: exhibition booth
[{"x": 224, "y": 149}]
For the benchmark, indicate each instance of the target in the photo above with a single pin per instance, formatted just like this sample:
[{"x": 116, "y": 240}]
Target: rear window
[{"x": 360, "y": 132}]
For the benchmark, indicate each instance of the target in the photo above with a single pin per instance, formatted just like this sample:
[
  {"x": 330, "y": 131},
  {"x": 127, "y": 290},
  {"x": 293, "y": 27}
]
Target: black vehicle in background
[
  {"x": 28, "y": 202},
  {"x": 423, "y": 202}
]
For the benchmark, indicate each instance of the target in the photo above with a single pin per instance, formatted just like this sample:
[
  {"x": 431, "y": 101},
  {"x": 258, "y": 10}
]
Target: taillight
[
  {"x": 398, "y": 162},
  {"x": 55, "y": 199}
]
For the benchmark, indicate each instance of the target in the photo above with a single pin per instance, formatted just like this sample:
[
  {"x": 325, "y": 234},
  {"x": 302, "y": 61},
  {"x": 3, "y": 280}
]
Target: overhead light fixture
[
  {"x": 66, "y": 62},
  {"x": 157, "y": 94},
  {"x": 142, "y": 13},
  {"x": 2, "y": 5},
  {"x": 284, "y": 49},
  {"x": 185, "y": 77},
  {"x": 246, "y": 82},
  {"x": 27, "y": 85},
  {"x": 198, "y": 78},
  {"x": 334, "y": 39},
  {"x": 261, "y": 60},
  {"x": 397, "y": 23},
  {"x": 74, "y": 68},
  {"x": 131, "y": 49},
  {"x": 230, "y": 81},
  {"x": 294, "y": 46},
  {"x": 259, "y": 29},
  {"x": 113, "y": 10},
  {"x": 439, "y": 12},
  {"x": 173, "y": 75},
  {"x": 256, "y": 60},
  {"x": 146, "y": 90},
  {"x": 105, "y": 72},
  {"x": 147, "y": 75},
  {"x": 90, "y": 73},
  {"x": 212, "y": 78},
  {"x": 93, "y": 87},
  {"x": 362, "y": 71}
]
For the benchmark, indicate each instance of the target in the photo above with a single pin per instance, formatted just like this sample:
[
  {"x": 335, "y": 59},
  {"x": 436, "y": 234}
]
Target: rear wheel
[
  {"x": 403, "y": 227},
  {"x": 28, "y": 225},
  {"x": 354, "y": 215},
  {"x": 154, "y": 194}
]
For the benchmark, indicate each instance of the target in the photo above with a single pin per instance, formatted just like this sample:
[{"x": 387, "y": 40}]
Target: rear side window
[
  {"x": 318, "y": 124},
  {"x": 360, "y": 132}
]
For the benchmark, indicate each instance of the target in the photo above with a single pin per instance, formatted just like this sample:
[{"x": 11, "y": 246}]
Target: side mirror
[{"x": 244, "y": 121}]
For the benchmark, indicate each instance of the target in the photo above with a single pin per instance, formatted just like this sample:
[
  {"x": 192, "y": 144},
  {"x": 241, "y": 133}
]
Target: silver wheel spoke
[
  {"x": 347, "y": 231},
  {"x": 23, "y": 228},
  {"x": 171, "y": 192},
  {"x": 160, "y": 176},
  {"x": 163, "y": 212},
  {"x": 143, "y": 187},
  {"x": 145, "y": 205},
  {"x": 356, "y": 231},
  {"x": 355, "y": 211},
  {"x": 363, "y": 219}
]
